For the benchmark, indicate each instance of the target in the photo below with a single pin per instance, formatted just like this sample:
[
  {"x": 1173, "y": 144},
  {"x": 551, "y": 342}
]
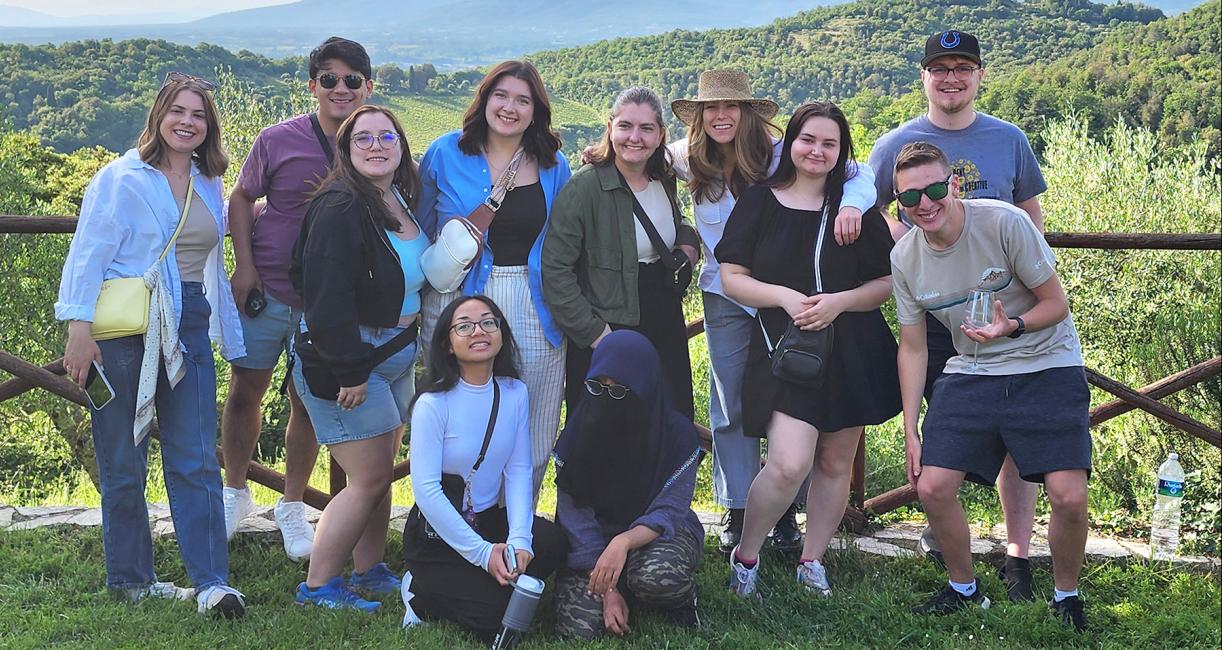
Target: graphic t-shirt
[
  {"x": 1001, "y": 251},
  {"x": 992, "y": 159},
  {"x": 285, "y": 166}
]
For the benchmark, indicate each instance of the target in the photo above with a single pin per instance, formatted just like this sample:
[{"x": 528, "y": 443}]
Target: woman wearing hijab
[{"x": 625, "y": 473}]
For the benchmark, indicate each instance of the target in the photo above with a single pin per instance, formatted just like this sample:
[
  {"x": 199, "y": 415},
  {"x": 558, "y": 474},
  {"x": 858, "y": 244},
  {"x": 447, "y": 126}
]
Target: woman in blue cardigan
[{"x": 510, "y": 111}]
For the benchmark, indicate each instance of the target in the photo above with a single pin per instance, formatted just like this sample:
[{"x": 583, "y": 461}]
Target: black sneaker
[
  {"x": 687, "y": 616},
  {"x": 1071, "y": 611},
  {"x": 1015, "y": 574},
  {"x": 731, "y": 530},
  {"x": 786, "y": 535},
  {"x": 949, "y": 601}
]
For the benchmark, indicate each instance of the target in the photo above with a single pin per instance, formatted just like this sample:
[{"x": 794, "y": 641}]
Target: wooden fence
[{"x": 50, "y": 377}]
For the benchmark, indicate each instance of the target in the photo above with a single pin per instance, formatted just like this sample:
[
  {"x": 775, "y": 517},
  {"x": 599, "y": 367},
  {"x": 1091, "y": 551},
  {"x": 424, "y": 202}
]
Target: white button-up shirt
[
  {"x": 711, "y": 217},
  {"x": 127, "y": 216}
]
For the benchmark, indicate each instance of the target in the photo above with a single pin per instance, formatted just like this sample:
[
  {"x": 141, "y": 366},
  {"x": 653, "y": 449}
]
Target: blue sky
[{"x": 119, "y": 7}]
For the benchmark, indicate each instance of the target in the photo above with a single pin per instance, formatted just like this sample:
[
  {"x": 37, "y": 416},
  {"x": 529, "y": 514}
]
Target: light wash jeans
[
  {"x": 736, "y": 457},
  {"x": 186, "y": 416}
]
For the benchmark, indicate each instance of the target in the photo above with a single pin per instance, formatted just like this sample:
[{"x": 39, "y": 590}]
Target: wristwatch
[{"x": 1018, "y": 331}]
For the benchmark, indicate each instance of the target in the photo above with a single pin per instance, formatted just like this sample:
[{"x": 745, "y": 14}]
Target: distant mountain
[
  {"x": 450, "y": 34},
  {"x": 20, "y": 17}
]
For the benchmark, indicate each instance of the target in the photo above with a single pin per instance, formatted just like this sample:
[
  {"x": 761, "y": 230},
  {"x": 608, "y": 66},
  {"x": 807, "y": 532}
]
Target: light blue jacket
[
  {"x": 454, "y": 184},
  {"x": 127, "y": 216}
]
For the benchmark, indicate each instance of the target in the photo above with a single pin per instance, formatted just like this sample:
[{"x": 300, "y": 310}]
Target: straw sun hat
[{"x": 722, "y": 85}]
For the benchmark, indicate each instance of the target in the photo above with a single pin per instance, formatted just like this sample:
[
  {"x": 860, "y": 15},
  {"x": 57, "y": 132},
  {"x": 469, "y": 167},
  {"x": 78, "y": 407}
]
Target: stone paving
[{"x": 893, "y": 540}]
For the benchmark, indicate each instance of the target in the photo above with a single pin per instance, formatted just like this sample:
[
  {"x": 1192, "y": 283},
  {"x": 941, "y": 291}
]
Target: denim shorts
[
  {"x": 1041, "y": 418},
  {"x": 387, "y": 396},
  {"x": 268, "y": 334}
]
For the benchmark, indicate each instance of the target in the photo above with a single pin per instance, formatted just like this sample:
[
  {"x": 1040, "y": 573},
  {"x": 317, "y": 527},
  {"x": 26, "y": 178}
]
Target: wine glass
[{"x": 979, "y": 314}]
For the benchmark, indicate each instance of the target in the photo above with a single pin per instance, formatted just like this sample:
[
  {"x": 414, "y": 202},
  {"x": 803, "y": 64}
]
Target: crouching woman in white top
[{"x": 470, "y": 441}]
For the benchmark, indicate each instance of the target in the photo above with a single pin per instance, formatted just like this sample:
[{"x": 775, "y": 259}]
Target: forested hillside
[
  {"x": 835, "y": 52},
  {"x": 1164, "y": 76},
  {"x": 96, "y": 92}
]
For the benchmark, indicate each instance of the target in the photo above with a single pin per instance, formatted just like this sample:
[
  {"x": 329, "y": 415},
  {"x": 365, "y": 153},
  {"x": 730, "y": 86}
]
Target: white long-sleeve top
[{"x": 447, "y": 432}]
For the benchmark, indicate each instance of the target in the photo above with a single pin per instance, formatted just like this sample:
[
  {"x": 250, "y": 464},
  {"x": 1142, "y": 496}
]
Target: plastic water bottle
[{"x": 1165, "y": 529}]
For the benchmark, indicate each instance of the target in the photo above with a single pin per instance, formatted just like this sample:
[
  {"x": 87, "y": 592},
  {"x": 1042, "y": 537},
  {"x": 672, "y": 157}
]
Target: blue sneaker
[
  {"x": 378, "y": 580},
  {"x": 335, "y": 596}
]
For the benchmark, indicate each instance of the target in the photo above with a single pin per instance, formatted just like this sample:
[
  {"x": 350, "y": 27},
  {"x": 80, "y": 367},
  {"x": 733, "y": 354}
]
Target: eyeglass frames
[
  {"x": 366, "y": 140},
  {"x": 596, "y": 388},
  {"x": 467, "y": 328},
  {"x": 940, "y": 72}
]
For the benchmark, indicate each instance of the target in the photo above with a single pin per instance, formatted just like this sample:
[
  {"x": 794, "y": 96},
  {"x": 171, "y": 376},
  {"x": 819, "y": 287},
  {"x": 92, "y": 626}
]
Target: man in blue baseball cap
[{"x": 991, "y": 159}]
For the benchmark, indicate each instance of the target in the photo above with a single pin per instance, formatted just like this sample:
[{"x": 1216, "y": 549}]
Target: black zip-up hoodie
[{"x": 348, "y": 274}]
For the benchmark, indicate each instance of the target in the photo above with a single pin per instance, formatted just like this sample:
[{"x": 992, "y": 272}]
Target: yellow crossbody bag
[{"x": 123, "y": 303}]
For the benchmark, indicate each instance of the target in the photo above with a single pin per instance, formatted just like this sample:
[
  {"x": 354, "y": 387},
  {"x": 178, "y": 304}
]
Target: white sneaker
[
  {"x": 409, "y": 615},
  {"x": 238, "y": 506},
  {"x": 165, "y": 590},
  {"x": 813, "y": 576},
  {"x": 298, "y": 534},
  {"x": 221, "y": 600}
]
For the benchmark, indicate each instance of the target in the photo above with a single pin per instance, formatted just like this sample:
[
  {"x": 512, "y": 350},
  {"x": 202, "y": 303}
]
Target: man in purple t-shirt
[{"x": 285, "y": 165}]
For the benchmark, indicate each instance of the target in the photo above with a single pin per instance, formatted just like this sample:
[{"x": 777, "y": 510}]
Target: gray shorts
[{"x": 1041, "y": 419}]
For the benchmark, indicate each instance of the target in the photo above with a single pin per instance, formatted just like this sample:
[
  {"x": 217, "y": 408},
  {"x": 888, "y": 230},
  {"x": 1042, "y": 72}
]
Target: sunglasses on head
[
  {"x": 596, "y": 388},
  {"x": 182, "y": 77},
  {"x": 329, "y": 80},
  {"x": 935, "y": 192}
]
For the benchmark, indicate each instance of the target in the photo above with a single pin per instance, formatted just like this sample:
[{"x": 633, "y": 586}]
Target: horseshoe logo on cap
[{"x": 950, "y": 39}]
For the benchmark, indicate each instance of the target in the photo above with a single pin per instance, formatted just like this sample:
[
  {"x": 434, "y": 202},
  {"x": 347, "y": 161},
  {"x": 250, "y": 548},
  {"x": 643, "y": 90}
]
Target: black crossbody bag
[
  {"x": 318, "y": 375},
  {"x": 802, "y": 356},
  {"x": 675, "y": 261},
  {"x": 456, "y": 489}
]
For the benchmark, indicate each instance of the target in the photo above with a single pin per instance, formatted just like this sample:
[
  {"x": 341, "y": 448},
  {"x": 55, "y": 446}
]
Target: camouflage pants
[{"x": 660, "y": 574}]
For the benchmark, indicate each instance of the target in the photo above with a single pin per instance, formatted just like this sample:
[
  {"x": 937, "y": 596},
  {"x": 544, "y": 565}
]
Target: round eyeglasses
[
  {"x": 596, "y": 388},
  {"x": 467, "y": 328},
  {"x": 366, "y": 140}
]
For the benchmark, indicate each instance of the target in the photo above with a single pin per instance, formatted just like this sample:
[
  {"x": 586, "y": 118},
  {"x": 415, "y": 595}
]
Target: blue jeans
[
  {"x": 186, "y": 416},
  {"x": 736, "y": 457}
]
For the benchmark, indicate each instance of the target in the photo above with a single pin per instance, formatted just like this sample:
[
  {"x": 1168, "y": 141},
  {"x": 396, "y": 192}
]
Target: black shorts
[{"x": 1042, "y": 419}]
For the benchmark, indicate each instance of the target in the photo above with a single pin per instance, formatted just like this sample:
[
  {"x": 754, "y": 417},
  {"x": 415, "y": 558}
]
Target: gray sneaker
[
  {"x": 162, "y": 590},
  {"x": 813, "y": 576},
  {"x": 742, "y": 578},
  {"x": 928, "y": 546}
]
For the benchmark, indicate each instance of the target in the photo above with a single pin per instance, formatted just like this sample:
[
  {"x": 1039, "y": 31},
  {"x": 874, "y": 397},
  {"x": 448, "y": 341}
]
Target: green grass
[{"x": 51, "y": 594}]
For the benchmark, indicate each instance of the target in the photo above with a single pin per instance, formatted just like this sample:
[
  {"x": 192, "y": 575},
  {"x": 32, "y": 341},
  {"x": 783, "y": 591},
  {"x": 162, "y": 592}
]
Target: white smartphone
[{"x": 98, "y": 390}]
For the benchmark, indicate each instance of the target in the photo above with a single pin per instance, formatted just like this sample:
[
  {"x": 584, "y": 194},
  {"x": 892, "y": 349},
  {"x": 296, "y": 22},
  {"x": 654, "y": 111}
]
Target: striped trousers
[{"x": 541, "y": 365}]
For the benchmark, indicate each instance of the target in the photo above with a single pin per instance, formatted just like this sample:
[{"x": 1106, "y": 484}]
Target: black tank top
[{"x": 517, "y": 225}]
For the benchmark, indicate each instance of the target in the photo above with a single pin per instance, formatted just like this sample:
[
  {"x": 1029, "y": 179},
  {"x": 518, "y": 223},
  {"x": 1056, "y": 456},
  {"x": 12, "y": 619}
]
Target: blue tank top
[{"x": 409, "y": 252}]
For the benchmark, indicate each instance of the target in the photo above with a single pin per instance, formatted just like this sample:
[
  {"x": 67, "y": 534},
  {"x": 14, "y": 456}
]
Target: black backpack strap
[
  {"x": 322, "y": 139},
  {"x": 659, "y": 246}
]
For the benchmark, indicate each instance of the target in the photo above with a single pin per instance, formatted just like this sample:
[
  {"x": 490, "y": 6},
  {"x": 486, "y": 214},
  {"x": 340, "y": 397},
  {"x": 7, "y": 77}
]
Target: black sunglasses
[
  {"x": 182, "y": 77},
  {"x": 596, "y": 388},
  {"x": 329, "y": 80},
  {"x": 935, "y": 192}
]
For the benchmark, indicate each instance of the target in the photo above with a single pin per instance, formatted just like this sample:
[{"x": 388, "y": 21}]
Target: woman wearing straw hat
[{"x": 731, "y": 143}]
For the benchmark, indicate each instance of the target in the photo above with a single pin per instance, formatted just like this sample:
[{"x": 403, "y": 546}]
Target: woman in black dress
[{"x": 779, "y": 254}]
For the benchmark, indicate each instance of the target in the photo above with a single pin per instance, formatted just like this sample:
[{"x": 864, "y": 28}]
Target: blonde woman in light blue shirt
[{"x": 130, "y": 211}]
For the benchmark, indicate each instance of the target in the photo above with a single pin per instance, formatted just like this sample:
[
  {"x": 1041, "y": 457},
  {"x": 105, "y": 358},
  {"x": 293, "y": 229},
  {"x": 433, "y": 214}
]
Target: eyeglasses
[
  {"x": 366, "y": 140},
  {"x": 182, "y": 77},
  {"x": 596, "y": 388},
  {"x": 940, "y": 72},
  {"x": 935, "y": 192},
  {"x": 467, "y": 328},
  {"x": 329, "y": 80}
]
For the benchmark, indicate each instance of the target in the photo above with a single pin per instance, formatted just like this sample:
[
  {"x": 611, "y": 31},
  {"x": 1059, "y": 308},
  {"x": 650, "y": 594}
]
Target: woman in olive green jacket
[{"x": 600, "y": 270}]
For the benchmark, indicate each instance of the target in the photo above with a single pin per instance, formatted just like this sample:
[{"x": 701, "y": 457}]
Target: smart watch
[{"x": 1018, "y": 331}]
